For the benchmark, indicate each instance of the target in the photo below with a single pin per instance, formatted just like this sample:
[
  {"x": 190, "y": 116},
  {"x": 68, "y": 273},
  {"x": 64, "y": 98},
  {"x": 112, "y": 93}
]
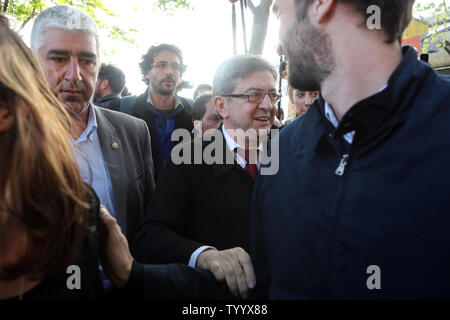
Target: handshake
[{"x": 232, "y": 266}]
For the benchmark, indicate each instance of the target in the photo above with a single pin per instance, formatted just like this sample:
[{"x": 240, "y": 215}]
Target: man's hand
[
  {"x": 118, "y": 261},
  {"x": 232, "y": 265}
]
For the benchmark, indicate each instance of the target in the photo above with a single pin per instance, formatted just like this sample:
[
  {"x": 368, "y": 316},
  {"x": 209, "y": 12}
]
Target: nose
[
  {"x": 266, "y": 104},
  {"x": 308, "y": 100},
  {"x": 73, "y": 70},
  {"x": 170, "y": 70}
]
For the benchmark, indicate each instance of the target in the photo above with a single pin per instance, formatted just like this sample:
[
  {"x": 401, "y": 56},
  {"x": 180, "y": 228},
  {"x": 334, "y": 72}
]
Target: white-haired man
[{"x": 116, "y": 152}]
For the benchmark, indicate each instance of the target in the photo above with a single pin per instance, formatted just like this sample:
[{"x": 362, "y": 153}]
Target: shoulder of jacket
[
  {"x": 434, "y": 102},
  {"x": 120, "y": 118}
]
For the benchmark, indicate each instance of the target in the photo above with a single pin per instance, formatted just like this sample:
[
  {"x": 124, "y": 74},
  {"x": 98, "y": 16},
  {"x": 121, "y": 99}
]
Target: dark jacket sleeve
[
  {"x": 258, "y": 245},
  {"x": 148, "y": 159},
  {"x": 161, "y": 236},
  {"x": 174, "y": 281}
]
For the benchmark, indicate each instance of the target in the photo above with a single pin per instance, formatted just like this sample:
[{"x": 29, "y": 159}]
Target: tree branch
[
  {"x": 29, "y": 18},
  {"x": 267, "y": 3},
  {"x": 5, "y": 6},
  {"x": 251, "y": 6},
  {"x": 260, "y": 24}
]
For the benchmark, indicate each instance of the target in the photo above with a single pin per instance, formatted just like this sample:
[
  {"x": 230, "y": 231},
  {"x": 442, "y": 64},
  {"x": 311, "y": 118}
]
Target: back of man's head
[
  {"x": 395, "y": 14},
  {"x": 236, "y": 68},
  {"x": 115, "y": 77},
  {"x": 65, "y": 18},
  {"x": 199, "y": 106},
  {"x": 202, "y": 88}
]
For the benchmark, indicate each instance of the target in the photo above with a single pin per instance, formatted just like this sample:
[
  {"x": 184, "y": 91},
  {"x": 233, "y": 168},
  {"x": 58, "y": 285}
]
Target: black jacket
[
  {"x": 320, "y": 234},
  {"x": 195, "y": 205},
  {"x": 111, "y": 102}
]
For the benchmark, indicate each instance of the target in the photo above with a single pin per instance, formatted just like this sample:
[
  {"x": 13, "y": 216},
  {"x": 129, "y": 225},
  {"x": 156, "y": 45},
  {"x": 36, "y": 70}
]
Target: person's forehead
[
  {"x": 305, "y": 92},
  {"x": 73, "y": 42},
  {"x": 167, "y": 56},
  {"x": 259, "y": 80}
]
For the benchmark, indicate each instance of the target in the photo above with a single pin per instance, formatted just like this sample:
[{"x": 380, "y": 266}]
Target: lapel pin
[{"x": 115, "y": 145}]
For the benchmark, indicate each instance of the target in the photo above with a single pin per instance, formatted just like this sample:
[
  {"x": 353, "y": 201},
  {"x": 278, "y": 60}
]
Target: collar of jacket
[
  {"x": 178, "y": 108},
  {"x": 374, "y": 117},
  {"x": 108, "y": 97}
]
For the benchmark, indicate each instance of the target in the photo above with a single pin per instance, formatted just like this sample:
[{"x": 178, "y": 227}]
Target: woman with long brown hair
[{"x": 42, "y": 197}]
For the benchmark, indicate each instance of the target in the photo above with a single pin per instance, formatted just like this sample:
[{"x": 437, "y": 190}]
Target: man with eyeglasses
[
  {"x": 200, "y": 212},
  {"x": 162, "y": 68}
]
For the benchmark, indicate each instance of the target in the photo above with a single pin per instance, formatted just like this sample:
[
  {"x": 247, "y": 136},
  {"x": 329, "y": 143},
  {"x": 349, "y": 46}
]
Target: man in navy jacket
[{"x": 359, "y": 208}]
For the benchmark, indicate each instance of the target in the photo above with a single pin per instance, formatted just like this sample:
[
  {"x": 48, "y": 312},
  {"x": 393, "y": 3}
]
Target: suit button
[{"x": 115, "y": 145}]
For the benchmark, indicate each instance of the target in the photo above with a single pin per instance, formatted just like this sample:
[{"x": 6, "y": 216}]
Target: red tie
[{"x": 252, "y": 169}]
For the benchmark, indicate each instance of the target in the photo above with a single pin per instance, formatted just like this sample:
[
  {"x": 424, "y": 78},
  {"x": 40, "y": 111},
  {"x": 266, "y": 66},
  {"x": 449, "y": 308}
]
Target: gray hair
[
  {"x": 62, "y": 17},
  {"x": 237, "y": 68}
]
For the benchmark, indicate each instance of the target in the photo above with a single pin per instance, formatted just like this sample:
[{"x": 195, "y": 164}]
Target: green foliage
[
  {"x": 25, "y": 10},
  {"x": 439, "y": 15},
  {"x": 170, "y": 6}
]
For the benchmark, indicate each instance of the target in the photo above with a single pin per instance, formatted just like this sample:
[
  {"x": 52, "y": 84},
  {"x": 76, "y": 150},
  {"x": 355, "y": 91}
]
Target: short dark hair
[
  {"x": 290, "y": 91},
  {"x": 115, "y": 77},
  {"x": 149, "y": 57},
  {"x": 199, "y": 106},
  {"x": 201, "y": 87},
  {"x": 395, "y": 14}
]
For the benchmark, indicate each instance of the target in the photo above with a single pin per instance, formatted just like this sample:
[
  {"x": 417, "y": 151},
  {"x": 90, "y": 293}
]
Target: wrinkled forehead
[
  {"x": 73, "y": 41},
  {"x": 258, "y": 81},
  {"x": 166, "y": 56}
]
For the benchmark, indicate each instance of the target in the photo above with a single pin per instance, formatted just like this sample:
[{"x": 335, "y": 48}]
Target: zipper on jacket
[
  {"x": 341, "y": 168},
  {"x": 337, "y": 212}
]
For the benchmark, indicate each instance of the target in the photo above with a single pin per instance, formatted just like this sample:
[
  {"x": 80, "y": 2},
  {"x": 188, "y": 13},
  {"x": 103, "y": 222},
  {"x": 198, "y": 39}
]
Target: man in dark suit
[
  {"x": 199, "y": 213},
  {"x": 115, "y": 152},
  {"x": 159, "y": 106},
  {"x": 109, "y": 87}
]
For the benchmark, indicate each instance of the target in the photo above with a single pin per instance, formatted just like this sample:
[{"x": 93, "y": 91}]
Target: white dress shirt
[{"x": 332, "y": 118}]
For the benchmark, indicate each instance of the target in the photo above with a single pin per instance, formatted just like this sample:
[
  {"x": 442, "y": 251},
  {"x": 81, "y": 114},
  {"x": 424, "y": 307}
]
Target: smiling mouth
[{"x": 264, "y": 119}]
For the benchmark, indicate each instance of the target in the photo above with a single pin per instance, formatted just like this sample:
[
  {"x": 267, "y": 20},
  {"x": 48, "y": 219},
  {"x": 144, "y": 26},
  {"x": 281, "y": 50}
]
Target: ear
[
  {"x": 197, "y": 125},
  {"x": 221, "y": 106},
  {"x": 322, "y": 10},
  {"x": 104, "y": 84},
  {"x": 6, "y": 119},
  {"x": 147, "y": 75}
]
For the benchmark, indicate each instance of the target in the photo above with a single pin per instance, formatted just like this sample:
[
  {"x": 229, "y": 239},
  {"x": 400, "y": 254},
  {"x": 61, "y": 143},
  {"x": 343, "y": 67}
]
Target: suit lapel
[
  {"x": 221, "y": 169},
  {"x": 112, "y": 151}
]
